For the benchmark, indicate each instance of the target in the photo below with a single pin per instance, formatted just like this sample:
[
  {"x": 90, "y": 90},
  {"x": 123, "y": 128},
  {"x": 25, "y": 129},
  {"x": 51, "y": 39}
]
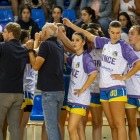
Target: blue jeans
[
  {"x": 104, "y": 22},
  {"x": 52, "y": 103},
  {"x": 72, "y": 5}
]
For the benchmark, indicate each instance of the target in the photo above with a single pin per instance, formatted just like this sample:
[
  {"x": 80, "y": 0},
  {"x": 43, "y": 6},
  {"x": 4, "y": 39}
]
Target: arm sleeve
[
  {"x": 100, "y": 42},
  {"x": 44, "y": 50},
  {"x": 88, "y": 64},
  {"x": 129, "y": 54}
]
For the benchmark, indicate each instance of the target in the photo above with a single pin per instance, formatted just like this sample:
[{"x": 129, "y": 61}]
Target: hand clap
[{"x": 30, "y": 44}]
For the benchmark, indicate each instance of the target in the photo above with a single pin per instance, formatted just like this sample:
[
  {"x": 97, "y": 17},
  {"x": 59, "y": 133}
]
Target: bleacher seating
[
  {"x": 39, "y": 17},
  {"x": 6, "y": 16},
  {"x": 70, "y": 14},
  {"x": 37, "y": 111}
]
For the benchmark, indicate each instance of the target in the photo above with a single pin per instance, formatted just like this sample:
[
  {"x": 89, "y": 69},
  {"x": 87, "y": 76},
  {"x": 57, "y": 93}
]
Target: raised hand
[{"x": 67, "y": 22}]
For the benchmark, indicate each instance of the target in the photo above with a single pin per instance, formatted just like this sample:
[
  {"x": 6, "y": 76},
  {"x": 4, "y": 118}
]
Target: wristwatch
[{"x": 30, "y": 50}]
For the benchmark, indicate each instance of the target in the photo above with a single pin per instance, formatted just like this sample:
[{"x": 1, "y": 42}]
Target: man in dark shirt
[
  {"x": 50, "y": 62},
  {"x": 13, "y": 57}
]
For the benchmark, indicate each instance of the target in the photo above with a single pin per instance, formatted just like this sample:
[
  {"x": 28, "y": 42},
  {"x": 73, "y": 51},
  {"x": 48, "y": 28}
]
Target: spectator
[
  {"x": 26, "y": 22},
  {"x": 131, "y": 7},
  {"x": 102, "y": 12},
  {"x": 50, "y": 63},
  {"x": 125, "y": 22},
  {"x": 11, "y": 78},
  {"x": 14, "y": 5},
  {"x": 57, "y": 18},
  {"x": 87, "y": 15},
  {"x": 46, "y": 5},
  {"x": 57, "y": 15},
  {"x": 72, "y": 5}
]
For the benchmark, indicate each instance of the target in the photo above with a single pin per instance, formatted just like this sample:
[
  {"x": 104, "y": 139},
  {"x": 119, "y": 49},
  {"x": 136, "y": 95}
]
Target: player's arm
[
  {"x": 77, "y": 29},
  {"x": 65, "y": 57},
  {"x": 134, "y": 70},
  {"x": 89, "y": 81}
]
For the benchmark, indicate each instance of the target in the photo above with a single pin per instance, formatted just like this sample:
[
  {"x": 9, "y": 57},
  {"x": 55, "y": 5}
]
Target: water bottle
[{"x": 104, "y": 138}]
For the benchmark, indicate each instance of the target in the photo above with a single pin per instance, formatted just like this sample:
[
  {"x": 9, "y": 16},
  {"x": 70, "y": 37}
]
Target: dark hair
[
  {"x": 89, "y": 11},
  {"x": 1, "y": 37},
  {"x": 93, "y": 31},
  {"x": 91, "y": 25},
  {"x": 129, "y": 24},
  {"x": 115, "y": 24},
  {"x": 14, "y": 28},
  {"x": 26, "y": 6},
  {"x": 101, "y": 34},
  {"x": 58, "y": 8},
  {"x": 137, "y": 27},
  {"x": 84, "y": 38},
  {"x": 23, "y": 35}
]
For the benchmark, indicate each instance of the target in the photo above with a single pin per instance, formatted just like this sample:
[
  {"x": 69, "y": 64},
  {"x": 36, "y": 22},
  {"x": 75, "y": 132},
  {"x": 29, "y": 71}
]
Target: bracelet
[{"x": 30, "y": 50}]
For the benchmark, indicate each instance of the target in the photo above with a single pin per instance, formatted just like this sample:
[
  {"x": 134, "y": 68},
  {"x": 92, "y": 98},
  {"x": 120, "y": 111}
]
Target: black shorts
[{"x": 28, "y": 108}]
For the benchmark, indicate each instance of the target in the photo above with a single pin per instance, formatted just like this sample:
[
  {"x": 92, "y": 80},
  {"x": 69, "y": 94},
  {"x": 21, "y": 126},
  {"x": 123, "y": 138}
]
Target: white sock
[{"x": 15, "y": 18}]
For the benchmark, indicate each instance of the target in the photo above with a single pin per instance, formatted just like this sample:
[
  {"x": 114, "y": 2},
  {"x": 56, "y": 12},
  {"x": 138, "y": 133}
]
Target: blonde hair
[{"x": 14, "y": 28}]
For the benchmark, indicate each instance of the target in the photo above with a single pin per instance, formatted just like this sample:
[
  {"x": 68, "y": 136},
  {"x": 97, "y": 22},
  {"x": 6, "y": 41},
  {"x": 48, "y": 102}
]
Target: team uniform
[
  {"x": 81, "y": 67},
  {"x": 66, "y": 75},
  {"x": 133, "y": 88},
  {"x": 96, "y": 55},
  {"x": 114, "y": 61},
  {"x": 28, "y": 87}
]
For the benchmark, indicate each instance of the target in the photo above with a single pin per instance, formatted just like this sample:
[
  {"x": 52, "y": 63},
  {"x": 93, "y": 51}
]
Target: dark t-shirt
[
  {"x": 13, "y": 58},
  {"x": 50, "y": 75},
  {"x": 31, "y": 26}
]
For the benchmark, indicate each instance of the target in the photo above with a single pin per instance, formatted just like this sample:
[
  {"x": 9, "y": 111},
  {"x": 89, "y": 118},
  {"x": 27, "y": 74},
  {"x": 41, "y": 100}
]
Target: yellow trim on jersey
[
  {"x": 101, "y": 100},
  {"x": 79, "y": 111},
  {"x": 68, "y": 108},
  {"x": 122, "y": 98},
  {"x": 28, "y": 101},
  {"x": 129, "y": 105},
  {"x": 139, "y": 109},
  {"x": 64, "y": 107},
  {"x": 95, "y": 105}
]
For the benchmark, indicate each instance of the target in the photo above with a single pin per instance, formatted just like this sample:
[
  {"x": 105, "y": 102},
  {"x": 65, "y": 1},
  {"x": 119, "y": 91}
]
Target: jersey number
[{"x": 113, "y": 93}]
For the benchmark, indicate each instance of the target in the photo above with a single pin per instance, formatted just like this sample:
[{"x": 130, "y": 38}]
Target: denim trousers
[
  {"x": 72, "y": 5},
  {"x": 51, "y": 104},
  {"x": 10, "y": 104}
]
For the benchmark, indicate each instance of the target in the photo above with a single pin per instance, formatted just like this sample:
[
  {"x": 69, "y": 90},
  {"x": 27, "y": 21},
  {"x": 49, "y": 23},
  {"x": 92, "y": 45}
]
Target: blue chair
[
  {"x": 39, "y": 17},
  {"x": 66, "y": 3},
  {"x": 5, "y": 3},
  {"x": 6, "y": 16},
  {"x": 70, "y": 14},
  {"x": 37, "y": 111}
]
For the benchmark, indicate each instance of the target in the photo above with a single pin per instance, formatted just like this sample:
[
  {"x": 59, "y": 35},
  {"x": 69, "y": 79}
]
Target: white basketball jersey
[
  {"x": 96, "y": 55},
  {"x": 133, "y": 83},
  {"x": 81, "y": 67},
  {"x": 29, "y": 79},
  {"x": 114, "y": 60}
]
